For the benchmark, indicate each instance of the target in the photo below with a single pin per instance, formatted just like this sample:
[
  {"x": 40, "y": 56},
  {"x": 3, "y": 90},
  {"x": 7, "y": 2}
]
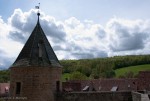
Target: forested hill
[
  {"x": 103, "y": 67},
  {"x": 94, "y": 68}
]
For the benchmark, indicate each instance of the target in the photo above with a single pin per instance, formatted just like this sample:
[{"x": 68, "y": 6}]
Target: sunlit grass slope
[{"x": 134, "y": 69}]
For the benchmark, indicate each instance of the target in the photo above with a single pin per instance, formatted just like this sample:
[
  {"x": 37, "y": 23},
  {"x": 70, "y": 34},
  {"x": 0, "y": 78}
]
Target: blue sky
[
  {"x": 97, "y": 10},
  {"x": 77, "y": 29}
]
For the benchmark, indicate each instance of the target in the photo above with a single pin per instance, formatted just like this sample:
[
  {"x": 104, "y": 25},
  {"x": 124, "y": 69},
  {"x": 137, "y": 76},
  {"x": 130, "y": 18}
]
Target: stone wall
[
  {"x": 140, "y": 97},
  {"x": 37, "y": 83},
  {"x": 94, "y": 96}
]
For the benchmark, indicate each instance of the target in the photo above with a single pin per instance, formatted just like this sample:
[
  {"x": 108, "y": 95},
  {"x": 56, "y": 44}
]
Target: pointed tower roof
[{"x": 37, "y": 51}]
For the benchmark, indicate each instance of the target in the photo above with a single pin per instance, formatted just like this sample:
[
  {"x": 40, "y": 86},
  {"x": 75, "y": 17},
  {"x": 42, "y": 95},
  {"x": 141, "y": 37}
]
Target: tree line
[
  {"x": 103, "y": 67},
  {"x": 94, "y": 68}
]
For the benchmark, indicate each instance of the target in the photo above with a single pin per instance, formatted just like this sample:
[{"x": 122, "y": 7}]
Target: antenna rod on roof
[{"x": 38, "y": 7}]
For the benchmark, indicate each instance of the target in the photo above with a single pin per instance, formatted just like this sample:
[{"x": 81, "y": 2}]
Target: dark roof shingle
[{"x": 37, "y": 51}]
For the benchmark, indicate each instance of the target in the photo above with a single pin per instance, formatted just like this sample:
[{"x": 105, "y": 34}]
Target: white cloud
[
  {"x": 84, "y": 36},
  {"x": 126, "y": 35},
  {"x": 24, "y": 22},
  {"x": 73, "y": 39}
]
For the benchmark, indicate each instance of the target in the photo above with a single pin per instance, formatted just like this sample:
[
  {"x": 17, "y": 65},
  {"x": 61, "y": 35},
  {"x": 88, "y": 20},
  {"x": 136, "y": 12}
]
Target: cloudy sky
[{"x": 77, "y": 29}]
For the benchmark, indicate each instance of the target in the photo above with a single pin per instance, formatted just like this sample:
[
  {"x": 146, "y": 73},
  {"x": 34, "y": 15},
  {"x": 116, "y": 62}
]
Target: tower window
[
  {"x": 18, "y": 87},
  {"x": 40, "y": 48},
  {"x": 57, "y": 86}
]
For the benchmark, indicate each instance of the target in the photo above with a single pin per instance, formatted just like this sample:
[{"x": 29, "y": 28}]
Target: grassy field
[{"x": 134, "y": 69}]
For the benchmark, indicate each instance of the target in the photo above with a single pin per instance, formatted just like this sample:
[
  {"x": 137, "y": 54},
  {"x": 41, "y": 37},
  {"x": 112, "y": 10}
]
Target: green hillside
[
  {"x": 124, "y": 66},
  {"x": 103, "y": 67},
  {"x": 132, "y": 69}
]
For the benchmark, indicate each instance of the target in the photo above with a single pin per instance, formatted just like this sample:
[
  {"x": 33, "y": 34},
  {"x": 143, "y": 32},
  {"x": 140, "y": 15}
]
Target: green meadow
[{"x": 134, "y": 69}]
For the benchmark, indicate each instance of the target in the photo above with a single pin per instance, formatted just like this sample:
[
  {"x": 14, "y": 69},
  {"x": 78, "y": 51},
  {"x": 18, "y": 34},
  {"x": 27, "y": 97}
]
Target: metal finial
[{"x": 38, "y": 7}]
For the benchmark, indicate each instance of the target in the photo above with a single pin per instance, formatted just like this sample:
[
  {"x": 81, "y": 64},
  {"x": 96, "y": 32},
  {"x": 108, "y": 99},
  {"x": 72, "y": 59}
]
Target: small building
[{"x": 4, "y": 89}]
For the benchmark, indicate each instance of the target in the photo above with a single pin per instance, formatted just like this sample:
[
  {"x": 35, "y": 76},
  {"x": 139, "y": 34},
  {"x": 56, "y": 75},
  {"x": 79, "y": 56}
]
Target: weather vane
[{"x": 38, "y": 7}]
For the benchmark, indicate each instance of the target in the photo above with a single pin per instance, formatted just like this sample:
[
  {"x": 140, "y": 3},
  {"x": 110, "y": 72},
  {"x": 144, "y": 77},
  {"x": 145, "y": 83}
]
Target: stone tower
[{"x": 36, "y": 73}]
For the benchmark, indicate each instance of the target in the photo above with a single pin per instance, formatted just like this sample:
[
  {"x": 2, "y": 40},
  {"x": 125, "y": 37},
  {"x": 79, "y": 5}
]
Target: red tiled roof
[
  {"x": 107, "y": 84},
  {"x": 124, "y": 84},
  {"x": 74, "y": 86},
  {"x": 144, "y": 80}
]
